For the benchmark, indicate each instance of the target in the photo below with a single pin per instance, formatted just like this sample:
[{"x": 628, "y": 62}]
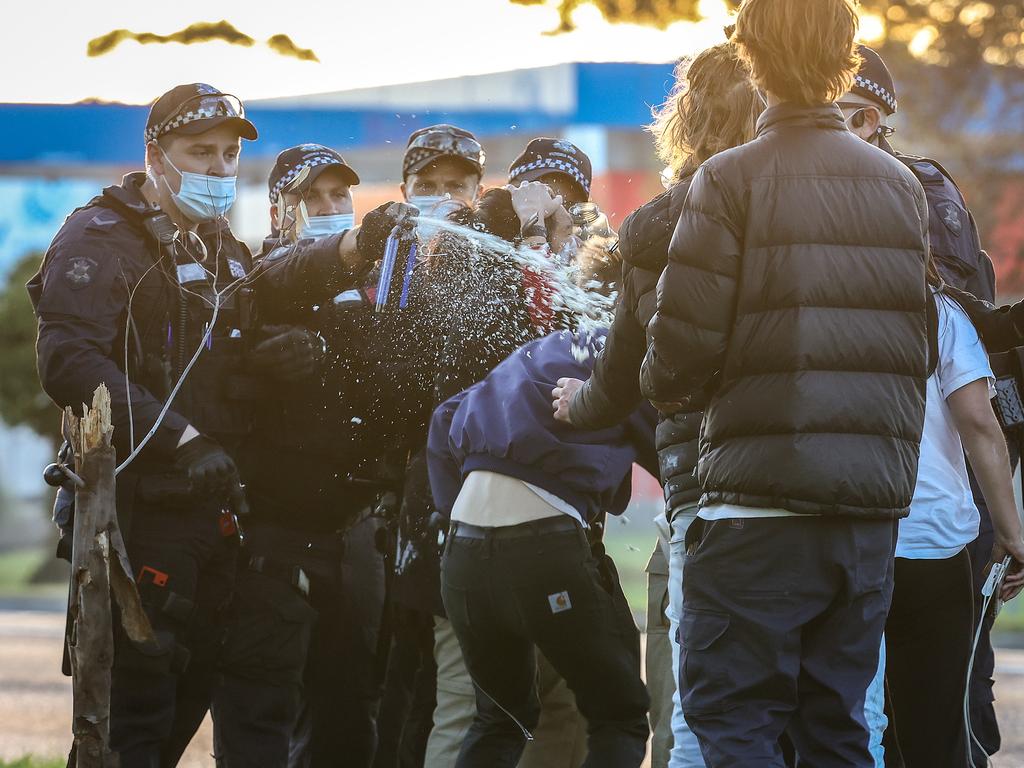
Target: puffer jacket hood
[{"x": 795, "y": 295}]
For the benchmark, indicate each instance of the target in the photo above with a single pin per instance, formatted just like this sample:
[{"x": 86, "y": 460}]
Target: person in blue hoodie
[{"x": 518, "y": 572}]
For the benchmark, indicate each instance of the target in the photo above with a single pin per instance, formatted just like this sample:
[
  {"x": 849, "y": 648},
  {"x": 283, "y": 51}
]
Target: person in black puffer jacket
[
  {"x": 713, "y": 107},
  {"x": 794, "y": 296}
]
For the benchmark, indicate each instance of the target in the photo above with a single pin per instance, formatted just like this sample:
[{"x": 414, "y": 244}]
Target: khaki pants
[
  {"x": 560, "y": 739},
  {"x": 658, "y": 661}
]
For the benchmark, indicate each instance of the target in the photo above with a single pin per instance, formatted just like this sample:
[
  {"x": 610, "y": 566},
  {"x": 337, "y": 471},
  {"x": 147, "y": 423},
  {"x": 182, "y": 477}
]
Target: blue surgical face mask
[
  {"x": 432, "y": 207},
  {"x": 202, "y": 197},
  {"x": 427, "y": 203},
  {"x": 322, "y": 226}
]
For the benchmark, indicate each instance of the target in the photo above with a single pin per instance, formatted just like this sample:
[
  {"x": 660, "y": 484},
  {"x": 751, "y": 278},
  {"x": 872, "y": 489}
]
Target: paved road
[{"x": 35, "y": 699}]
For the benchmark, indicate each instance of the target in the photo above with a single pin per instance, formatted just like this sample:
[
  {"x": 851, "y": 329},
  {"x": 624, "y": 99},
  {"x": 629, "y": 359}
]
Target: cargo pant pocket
[
  {"x": 706, "y": 676},
  {"x": 269, "y": 631}
]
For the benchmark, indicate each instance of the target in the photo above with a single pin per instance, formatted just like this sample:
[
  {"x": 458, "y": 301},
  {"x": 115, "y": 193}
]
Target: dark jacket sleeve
[
  {"x": 689, "y": 334},
  {"x": 443, "y": 467},
  {"x": 613, "y": 392},
  {"x": 640, "y": 431},
  {"x": 78, "y": 326},
  {"x": 1001, "y": 328},
  {"x": 291, "y": 278}
]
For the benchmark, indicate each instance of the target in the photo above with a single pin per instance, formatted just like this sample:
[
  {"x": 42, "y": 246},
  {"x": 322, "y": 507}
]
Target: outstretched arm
[{"x": 689, "y": 334}]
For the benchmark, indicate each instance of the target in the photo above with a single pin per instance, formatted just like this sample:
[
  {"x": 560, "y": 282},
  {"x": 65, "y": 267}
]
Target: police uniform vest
[{"x": 198, "y": 283}]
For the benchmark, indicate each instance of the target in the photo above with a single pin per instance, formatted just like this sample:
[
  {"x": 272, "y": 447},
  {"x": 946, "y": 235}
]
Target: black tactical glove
[
  {"x": 210, "y": 470},
  {"x": 291, "y": 353},
  {"x": 378, "y": 225}
]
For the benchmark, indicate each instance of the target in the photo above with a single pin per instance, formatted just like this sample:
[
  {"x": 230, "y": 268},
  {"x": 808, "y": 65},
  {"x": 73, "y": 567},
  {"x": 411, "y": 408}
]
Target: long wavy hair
[
  {"x": 802, "y": 51},
  {"x": 713, "y": 106}
]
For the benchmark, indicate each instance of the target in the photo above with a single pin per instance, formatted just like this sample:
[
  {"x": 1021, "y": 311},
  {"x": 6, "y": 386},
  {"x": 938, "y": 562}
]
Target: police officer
[
  {"x": 143, "y": 289},
  {"x": 952, "y": 233},
  {"x": 567, "y": 171},
  {"x": 303, "y": 628},
  {"x": 441, "y": 162},
  {"x": 961, "y": 262}
]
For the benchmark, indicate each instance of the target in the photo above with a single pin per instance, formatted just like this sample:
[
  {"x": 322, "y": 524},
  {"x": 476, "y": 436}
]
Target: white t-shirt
[
  {"x": 943, "y": 517},
  {"x": 736, "y": 511},
  {"x": 489, "y": 499}
]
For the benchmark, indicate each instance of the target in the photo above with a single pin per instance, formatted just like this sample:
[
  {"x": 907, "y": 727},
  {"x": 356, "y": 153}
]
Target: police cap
[
  {"x": 545, "y": 155},
  {"x": 874, "y": 82},
  {"x": 196, "y": 108},
  {"x": 316, "y": 157}
]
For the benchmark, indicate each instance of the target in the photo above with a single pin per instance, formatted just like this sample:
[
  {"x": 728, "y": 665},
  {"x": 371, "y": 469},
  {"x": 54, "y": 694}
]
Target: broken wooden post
[{"x": 93, "y": 576}]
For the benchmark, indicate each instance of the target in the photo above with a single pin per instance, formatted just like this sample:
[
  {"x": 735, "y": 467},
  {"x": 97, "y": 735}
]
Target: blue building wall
[{"x": 613, "y": 95}]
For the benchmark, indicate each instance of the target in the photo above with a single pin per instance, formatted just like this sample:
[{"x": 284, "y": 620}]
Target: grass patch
[
  {"x": 1011, "y": 618},
  {"x": 30, "y": 761},
  {"x": 17, "y": 567},
  {"x": 631, "y": 549},
  {"x": 16, "y": 571}
]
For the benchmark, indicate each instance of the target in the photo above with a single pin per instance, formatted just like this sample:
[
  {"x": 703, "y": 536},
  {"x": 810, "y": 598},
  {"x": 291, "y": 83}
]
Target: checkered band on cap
[
  {"x": 870, "y": 85},
  {"x": 217, "y": 109},
  {"x": 419, "y": 154},
  {"x": 556, "y": 165},
  {"x": 307, "y": 162}
]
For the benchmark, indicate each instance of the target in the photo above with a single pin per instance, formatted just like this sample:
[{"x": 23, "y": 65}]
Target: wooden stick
[{"x": 96, "y": 537}]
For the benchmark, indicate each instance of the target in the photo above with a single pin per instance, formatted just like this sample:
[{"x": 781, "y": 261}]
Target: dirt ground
[{"x": 35, "y": 698}]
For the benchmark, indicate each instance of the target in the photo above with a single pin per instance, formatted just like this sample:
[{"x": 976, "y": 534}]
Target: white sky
[{"x": 360, "y": 43}]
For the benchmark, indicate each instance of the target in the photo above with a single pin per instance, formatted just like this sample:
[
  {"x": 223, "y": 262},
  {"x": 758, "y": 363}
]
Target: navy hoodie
[{"x": 504, "y": 424}]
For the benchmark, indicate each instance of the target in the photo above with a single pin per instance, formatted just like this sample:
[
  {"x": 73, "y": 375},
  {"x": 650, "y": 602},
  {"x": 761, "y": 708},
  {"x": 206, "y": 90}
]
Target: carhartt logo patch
[{"x": 559, "y": 602}]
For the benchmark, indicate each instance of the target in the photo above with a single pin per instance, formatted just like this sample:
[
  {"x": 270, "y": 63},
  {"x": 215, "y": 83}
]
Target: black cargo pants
[
  {"x": 780, "y": 635},
  {"x": 300, "y": 682},
  {"x": 184, "y": 562},
  {"x": 508, "y": 590}
]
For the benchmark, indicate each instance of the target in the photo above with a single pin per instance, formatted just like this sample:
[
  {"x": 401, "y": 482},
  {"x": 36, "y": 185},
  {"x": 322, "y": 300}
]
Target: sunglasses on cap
[
  {"x": 449, "y": 142},
  {"x": 201, "y": 106}
]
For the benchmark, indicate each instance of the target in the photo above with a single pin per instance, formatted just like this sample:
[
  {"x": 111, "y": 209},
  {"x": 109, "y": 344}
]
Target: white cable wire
[
  {"x": 174, "y": 391},
  {"x": 127, "y": 335},
  {"x": 219, "y": 297},
  {"x": 216, "y": 304},
  {"x": 971, "y": 738},
  {"x": 989, "y": 590}
]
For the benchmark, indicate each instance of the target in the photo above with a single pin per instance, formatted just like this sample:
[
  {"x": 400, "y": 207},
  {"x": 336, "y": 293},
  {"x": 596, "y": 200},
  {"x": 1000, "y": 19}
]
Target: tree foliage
[
  {"x": 950, "y": 32},
  {"x": 22, "y": 400}
]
